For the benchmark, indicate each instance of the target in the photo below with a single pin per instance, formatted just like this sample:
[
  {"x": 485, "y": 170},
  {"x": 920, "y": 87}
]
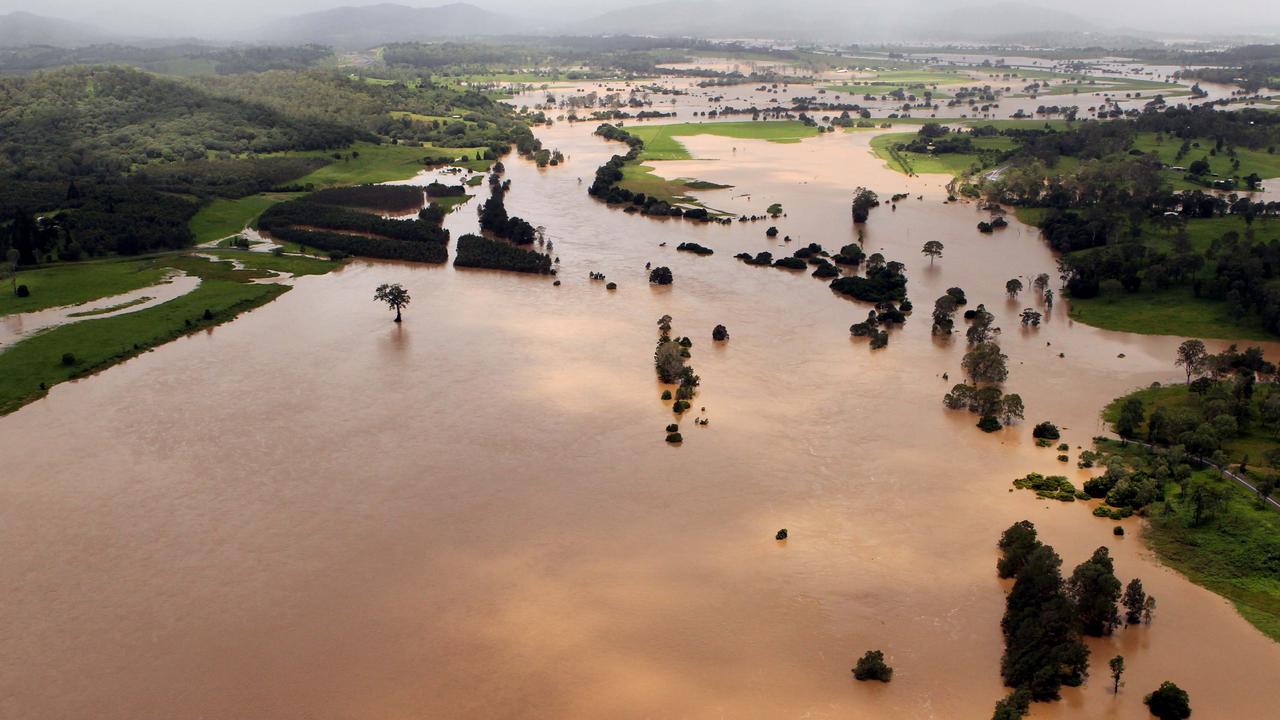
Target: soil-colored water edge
[{"x": 315, "y": 512}]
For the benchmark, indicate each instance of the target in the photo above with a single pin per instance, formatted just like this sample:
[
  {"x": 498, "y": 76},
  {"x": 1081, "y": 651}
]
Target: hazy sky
[{"x": 166, "y": 17}]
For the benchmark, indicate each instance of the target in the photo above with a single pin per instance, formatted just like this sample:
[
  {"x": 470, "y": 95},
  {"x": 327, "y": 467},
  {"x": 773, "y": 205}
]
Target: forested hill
[
  {"x": 107, "y": 159},
  {"x": 109, "y": 120}
]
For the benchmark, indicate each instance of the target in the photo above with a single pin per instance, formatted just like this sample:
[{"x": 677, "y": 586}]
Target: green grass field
[
  {"x": 31, "y": 366},
  {"x": 377, "y": 163},
  {"x": 879, "y": 90},
  {"x": 1255, "y": 441},
  {"x": 1174, "y": 311},
  {"x": 948, "y": 163},
  {"x": 660, "y": 141},
  {"x": 222, "y": 217},
  {"x": 1266, "y": 165},
  {"x": 76, "y": 283},
  {"x": 1232, "y": 554},
  {"x": 1149, "y": 88}
]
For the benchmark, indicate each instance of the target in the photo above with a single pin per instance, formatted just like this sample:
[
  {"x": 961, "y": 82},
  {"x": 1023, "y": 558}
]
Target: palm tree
[{"x": 395, "y": 296}]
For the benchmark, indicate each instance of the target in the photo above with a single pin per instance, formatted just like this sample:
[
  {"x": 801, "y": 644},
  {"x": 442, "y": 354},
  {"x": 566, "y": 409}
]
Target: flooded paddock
[{"x": 312, "y": 512}]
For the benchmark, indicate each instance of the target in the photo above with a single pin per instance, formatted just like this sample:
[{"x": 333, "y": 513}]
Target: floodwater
[{"x": 313, "y": 512}]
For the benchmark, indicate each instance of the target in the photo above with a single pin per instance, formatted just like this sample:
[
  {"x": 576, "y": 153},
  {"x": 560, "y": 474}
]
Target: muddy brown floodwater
[{"x": 311, "y": 512}]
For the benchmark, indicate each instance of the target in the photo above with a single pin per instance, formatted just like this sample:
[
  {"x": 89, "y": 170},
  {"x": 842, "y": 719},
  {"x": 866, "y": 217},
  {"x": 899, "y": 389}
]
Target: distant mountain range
[
  {"x": 362, "y": 27},
  {"x": 371, "y": 25},
  {"x": 23, "y": 28}
]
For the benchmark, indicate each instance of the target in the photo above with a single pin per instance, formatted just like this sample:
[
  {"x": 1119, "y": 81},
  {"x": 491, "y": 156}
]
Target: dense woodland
[
  {"x": 1117, "y": 213},
  {"x": 102, "y": 160}
]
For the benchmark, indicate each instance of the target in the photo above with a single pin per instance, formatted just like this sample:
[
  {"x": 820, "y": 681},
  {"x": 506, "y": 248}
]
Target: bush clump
[
  {"x": 1046, "y": 431},
  {"x": 674, "y": 437},
  {"x": 989, "y": 423},
  {"x": 661, "y": 276},
  {"x": 1053, "y": 487},
  {"x": 23, "y": 291},
  {"x": 68, "y": 359},
  {"x": 720, "y": 333},
  {"x": 871, "y": 666},
  {"x": 666, "y": 394}
]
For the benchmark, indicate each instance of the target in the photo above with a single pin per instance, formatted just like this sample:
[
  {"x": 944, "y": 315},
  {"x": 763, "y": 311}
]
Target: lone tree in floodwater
[
  {"x": 1117, "y": 669},
  {"x": 1192, "y": 357},
  {"x": 932, "y": 249},
  {"x": 395, "y": 296},
  {"x": 1013, "y": 287}
]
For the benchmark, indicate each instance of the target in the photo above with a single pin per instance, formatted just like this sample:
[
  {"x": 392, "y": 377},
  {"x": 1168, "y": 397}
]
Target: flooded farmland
[{"x": 313, "y": 512}]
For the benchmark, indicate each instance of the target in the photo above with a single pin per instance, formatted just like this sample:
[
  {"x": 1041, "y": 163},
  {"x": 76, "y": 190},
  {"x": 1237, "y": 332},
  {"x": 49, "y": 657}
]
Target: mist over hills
[
  {"x": 858, "y": 21},
  {"x": 24, "y": 28}
]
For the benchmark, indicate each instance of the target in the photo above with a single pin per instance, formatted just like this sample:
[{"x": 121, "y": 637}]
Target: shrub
[
  {"x": 207, "y": 315},
  {"x": 720, "y": 333},
  {"x": 661, "y": 276},
  {"x": 23, "y": 291},
  {"x": 771, "y": 232},
  {"x": 608, "y": 286},
  {"x": 694, "y": 248},
  {"x": 673, "y": 428},
  {"x": 871, "y": 666},
  {"x": 1063, "y": 447},
  {"x": 674, "y": 437},
  {"x": 1046, "y": 431},
  {"x": 1063, "y": 458},
  {"x": 988, "y": 423},
  {"x": 1169, "y": 702},
  {"x": 1117, "y": 531},
  {"x": 68, "y": 359},
  {"x": 1053, "y": 487},
  {"x": 680, "y": 406},
  {"x": 666, "y": 394}
]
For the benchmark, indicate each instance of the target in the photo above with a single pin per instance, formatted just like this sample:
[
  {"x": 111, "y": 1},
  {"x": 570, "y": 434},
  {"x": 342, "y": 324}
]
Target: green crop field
[
  {"x": 76, "y": 283},
  {"x": 660, "y": 141}
]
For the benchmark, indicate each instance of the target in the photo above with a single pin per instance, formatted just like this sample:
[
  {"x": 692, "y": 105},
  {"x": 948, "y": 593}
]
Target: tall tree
[
  {"x": 395, "y": 296},
  {"x": 1016, "y": 545},
  {"x": 1013, "y": 287},
  {"x": 1094, "y": 590},
  {"x": 1043, "y": 650},
  {"x": 1192, "y": 357},
  {"x": 1135, "y": 599},
  {"x": 1117, "y": 669},
  {"x": 932, "y": 250},
  {"x": 1131, "y": 417}
]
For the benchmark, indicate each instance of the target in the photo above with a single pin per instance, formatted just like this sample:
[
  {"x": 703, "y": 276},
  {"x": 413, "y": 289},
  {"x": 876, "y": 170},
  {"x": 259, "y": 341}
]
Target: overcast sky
[{"x": 167, "y": 17}]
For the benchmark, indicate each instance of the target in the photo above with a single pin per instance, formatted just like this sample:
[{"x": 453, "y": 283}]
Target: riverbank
[{"x": 67, "y": 352}]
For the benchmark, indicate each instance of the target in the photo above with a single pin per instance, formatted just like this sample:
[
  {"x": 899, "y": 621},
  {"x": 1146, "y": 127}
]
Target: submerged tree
[
  {"x": 1043, "y": 650},
  {"x": 1117, "y": 669},
  {"x": 1094, "y": 589},
  {"x": 871, "y": 666},
  {"x": 986, "y": 364},
  {"x": 395, "y": 296},
  {"x": 1169, "y": 702},
  {"x": 932, "y": 250},
  {"x": 863, "y": 201},
  {"x": 1013, "y": 287},
  {"x": 1016, "y": 545},
  {"x": 1135, "y": 600}
]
